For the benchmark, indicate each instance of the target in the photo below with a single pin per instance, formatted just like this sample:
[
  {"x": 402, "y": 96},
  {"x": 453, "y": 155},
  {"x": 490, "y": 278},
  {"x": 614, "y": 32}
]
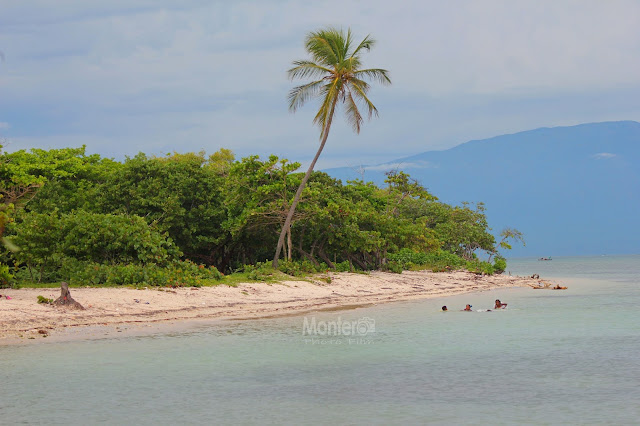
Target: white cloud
[
  {"x": 604, "y": 156},
  {"x": 159, "y": 75}
]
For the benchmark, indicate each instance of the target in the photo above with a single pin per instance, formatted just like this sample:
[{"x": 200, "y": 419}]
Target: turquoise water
[{"x": 552, "y": 357}]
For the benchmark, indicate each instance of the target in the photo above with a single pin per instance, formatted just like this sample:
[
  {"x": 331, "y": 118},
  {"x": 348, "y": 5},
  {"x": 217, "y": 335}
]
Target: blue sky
[{"x": 161, "y": 76}]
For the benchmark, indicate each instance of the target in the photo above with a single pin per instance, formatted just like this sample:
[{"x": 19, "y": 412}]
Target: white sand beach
[{"x": 23, "y": 319}]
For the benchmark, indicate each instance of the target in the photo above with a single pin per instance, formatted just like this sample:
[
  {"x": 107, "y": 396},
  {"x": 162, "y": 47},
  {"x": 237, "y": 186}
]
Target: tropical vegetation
[{"x": 187, "y": 219}]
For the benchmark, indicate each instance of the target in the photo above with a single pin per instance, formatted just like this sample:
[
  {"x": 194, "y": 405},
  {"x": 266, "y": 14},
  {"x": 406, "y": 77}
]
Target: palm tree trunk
[{"x": 296, "y": 199}]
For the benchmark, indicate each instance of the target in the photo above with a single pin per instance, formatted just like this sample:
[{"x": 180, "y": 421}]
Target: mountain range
[{"x": 571, "y": 190}]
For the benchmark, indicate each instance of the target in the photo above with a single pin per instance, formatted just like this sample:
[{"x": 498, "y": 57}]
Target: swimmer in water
[
  {"x": 444, "y": 309},
  {"x": 467, "y": 308},
  {"x": 499, "y": 305}
]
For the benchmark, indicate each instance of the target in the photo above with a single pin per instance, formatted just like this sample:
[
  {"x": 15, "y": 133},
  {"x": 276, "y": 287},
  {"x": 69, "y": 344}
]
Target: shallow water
[{"x": 551, "y": 357}]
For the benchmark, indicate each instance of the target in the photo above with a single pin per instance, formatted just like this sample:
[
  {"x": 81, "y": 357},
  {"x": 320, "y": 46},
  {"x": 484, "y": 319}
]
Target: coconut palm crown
[
  {"x": 338, "y": 77},
  {"x": 336, "y": 65}
]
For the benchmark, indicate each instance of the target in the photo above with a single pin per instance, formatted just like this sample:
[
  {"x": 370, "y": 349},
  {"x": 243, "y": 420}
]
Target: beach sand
[{"x": 22, "y": 319}]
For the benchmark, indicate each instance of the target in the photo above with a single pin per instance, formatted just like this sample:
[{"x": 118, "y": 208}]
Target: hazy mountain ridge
[{"x": 571, "y": 190}]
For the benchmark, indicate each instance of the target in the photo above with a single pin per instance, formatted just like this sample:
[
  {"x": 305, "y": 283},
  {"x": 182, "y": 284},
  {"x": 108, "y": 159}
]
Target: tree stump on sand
[{"x": 65, "y": 298}]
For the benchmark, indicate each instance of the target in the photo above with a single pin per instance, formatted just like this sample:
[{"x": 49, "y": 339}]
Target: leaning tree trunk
[
  {"x": 296, "y": 199},
  {"x": 65, "y": 298}
]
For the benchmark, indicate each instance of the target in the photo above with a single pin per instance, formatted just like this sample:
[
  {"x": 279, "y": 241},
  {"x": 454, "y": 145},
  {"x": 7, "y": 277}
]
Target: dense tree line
[{"x": 68, "y": 214}]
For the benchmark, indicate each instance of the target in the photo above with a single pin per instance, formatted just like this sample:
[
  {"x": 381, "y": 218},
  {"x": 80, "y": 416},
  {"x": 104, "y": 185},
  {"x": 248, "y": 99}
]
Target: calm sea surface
[{"x": 551, "y": 357}]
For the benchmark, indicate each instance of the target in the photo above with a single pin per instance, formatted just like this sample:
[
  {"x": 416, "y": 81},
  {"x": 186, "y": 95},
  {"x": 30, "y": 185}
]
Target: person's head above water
[
  {"x": 444, "y": 308},
  {"x": 467, "y": 308}
]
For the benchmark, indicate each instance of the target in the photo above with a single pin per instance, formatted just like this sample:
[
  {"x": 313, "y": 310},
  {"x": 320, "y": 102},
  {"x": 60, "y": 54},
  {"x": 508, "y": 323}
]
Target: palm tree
[{"x": 335, "y": 68}]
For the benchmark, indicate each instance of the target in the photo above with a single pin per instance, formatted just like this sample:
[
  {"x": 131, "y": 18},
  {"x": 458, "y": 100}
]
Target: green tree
[
  {"x": 46, "y": 239},
  {"x": 256, "y": 200},
  {"x": 179, "y": 194},
  {"x": 43, "y": 180},
  {"x": 508, "y": 234},
  {"x": 336, "y": 69},
  {"x": 466, "y": 231}
]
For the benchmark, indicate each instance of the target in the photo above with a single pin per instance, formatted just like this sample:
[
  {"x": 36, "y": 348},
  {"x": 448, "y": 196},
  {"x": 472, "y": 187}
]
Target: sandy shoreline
[{"x": 22, "y": 319}]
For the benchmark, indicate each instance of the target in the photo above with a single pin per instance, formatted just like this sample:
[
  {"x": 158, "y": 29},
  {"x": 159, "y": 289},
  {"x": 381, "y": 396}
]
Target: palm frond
[
  {"x": 375, "y": 74},
  {"x": 351, "y": 64},
  {"x": 353, "y": 113},
  {"x": 344, "y": 43},
  {"x": 318, "y": 45},
  {"x": 335, "y": 67},
  {"x": 367, "y": 44},
  {"x": 361, "y": 95},
  {"x": 364, "y": 86},
  {"x": 301, "y": 94},
  {"x": 304, "y": 69},
  {"x": 329, "y": 92}
]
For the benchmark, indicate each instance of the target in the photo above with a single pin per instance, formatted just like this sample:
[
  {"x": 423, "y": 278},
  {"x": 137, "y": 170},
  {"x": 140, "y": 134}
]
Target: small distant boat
[{"x": 545, "y": 258}]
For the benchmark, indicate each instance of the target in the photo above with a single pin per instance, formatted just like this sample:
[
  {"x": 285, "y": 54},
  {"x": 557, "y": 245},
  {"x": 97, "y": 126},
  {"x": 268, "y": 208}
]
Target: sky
[{"x": 158, "y": 76}]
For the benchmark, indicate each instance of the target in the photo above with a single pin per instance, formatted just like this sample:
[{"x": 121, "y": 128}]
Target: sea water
[{"x": 551, "y": 357}]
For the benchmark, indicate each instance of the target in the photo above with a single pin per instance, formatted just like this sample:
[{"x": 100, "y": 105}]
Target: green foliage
[
  {"x": 67, "y": 178},
  {"x": 437, "y": 261},
  {"x": 69, "y": 216},
  {"x": 441, "y": 260},
  {"x": 499, "y": 265},
  {"x": 261, "y": 271},
  {"x": 39, "y": 237},
  {"x": 407, "y": 257},
  {"x": 464, "y": 230},
  {"x": 6, "y": 277},
  {"x": 480, "y": 267},
  {"x": 179, "y": 195},
  {"x": 337, "y": 75},
  {"x": 336, "y": 64},
  {"x": 108, "y": 238},
  {"x": 174, "y": 274},
  {"x": 300, "y": 267},
  {"x": 44, "y": 300},
  {"x": 256, "y": 198},
  {"x": 343, "y": 266},
  {"x": 46, "y": 239},
  {"x": 290, "y": 268},
  {"x": 393, "y": 266},
  {"x": 510, "y": 234}
]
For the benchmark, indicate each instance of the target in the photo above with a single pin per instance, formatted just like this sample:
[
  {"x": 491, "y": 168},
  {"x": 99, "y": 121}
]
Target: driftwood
[
  {"x": 546, "y": 285},
  {"x": 65, "y": 298}
]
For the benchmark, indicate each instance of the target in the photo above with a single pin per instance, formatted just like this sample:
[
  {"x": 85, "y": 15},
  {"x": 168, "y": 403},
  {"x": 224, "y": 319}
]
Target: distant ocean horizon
[{"x": 570, "y": 356}]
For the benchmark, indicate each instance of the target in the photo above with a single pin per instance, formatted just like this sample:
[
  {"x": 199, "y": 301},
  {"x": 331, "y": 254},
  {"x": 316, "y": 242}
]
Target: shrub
[
  {"x": 290, "y": 268},
  {"x": 108, "y": 238},
  {"x": 480, "y": 267},
  {"x": 44, "y": 300},
  {"x": 176, "y": 274},
  {"x": 392, "y": 266},
  {"x": 343, "y": 266},
  {"x": 50, "y": 241},
  {"x": 300, "y": 267},
  {"x": 5, "y": 276},
  {"x": 261, "y": 271},
  {"x": 408, "y": 258},
  {"x": 442, "y": 260},
  {"x": 500, "y": 265}
]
